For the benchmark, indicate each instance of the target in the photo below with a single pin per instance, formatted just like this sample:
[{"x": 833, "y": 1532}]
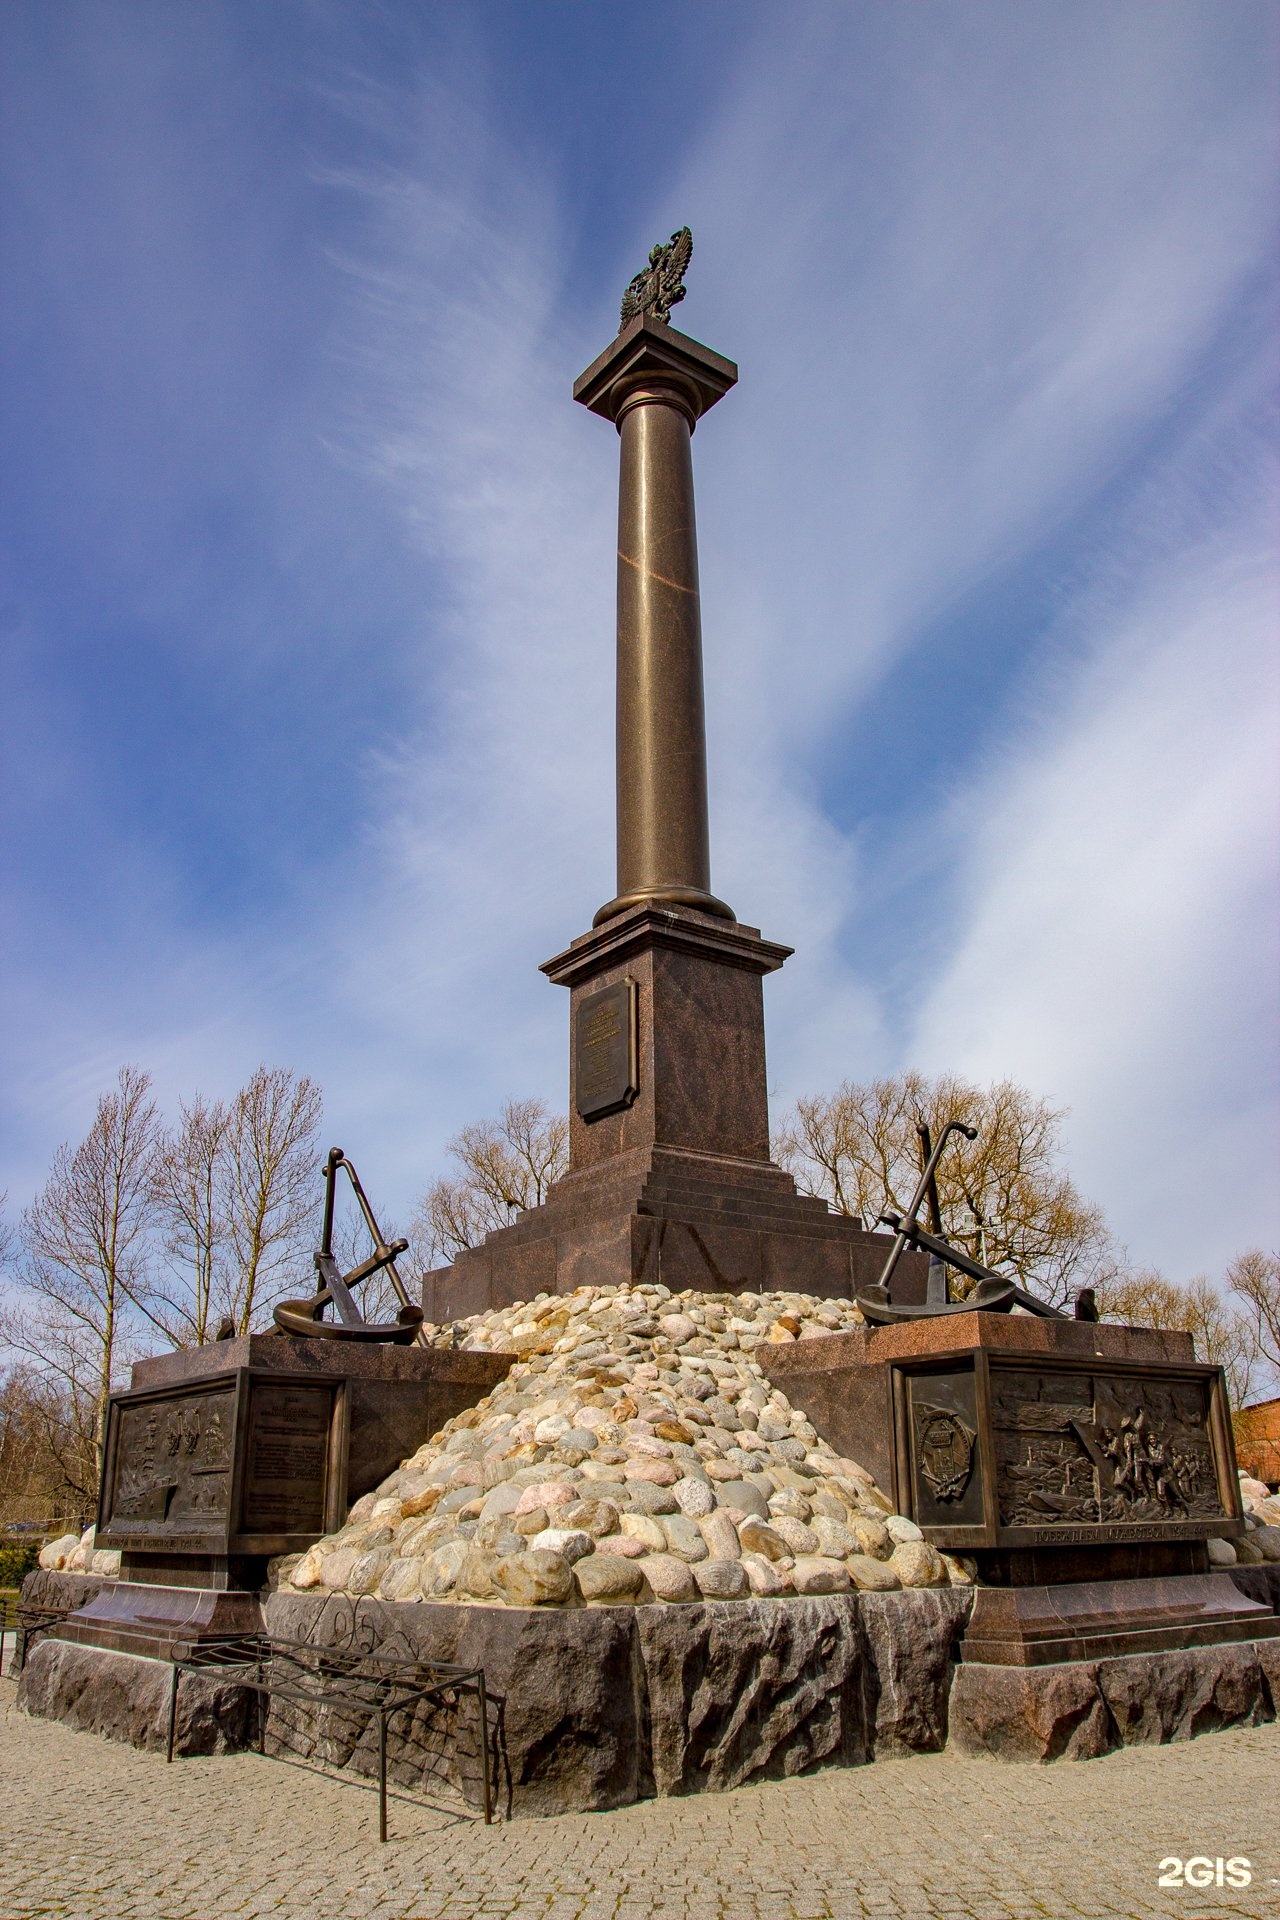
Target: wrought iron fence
[{"x": 353, "y": 1684}]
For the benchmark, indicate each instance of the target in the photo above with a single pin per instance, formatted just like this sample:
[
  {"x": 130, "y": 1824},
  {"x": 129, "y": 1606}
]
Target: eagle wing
[
  {"x": 679, "y": 254},
  {"x": 632, "y": 299},
  {"x": 676, "y": 256}
]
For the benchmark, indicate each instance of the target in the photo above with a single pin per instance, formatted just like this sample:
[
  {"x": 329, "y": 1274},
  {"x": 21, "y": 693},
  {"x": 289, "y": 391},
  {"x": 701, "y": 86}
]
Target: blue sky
[{"x": 306, "y": 555}]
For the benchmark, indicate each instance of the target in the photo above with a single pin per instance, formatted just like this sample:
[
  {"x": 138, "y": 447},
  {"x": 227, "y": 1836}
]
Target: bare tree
[
  {"x": 1223, "y": 1335},
  {"x": 86, "y": 1240},
  {"x": 506, "y": 1166},
  {"x": 270, "y": 1187},
  {"x": 189, "y": 1182},
  {"x": 1004, "y": 1197},
  {"x": 1254, "y": 1277},
  {"x": 48, "y": 1467}
]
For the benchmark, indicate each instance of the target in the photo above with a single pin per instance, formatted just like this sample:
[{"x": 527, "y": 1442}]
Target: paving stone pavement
[{"x": 94, "y": 1831}]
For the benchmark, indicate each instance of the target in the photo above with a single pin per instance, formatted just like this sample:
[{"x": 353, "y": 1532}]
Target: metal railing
[
  {"x": 25, "y": 1623},
  {"x": 317, "y": 1677}
]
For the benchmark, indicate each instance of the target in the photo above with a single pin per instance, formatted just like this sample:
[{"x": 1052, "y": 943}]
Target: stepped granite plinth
[{"x": 686, "y": 1220}]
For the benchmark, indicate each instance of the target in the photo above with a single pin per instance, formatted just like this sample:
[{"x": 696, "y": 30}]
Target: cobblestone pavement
[{"x": 94, "y": 1831}]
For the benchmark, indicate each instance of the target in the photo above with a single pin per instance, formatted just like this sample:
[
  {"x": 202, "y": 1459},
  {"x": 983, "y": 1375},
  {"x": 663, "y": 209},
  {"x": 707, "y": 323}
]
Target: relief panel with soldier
[{"x": 1077, "y": 1448}]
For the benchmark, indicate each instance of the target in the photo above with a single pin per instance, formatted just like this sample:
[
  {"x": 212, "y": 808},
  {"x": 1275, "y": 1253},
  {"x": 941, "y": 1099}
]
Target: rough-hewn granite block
[
  {"x": 1156, "y": 1697},
  {"x": 751, "y": 1690},
  {"x": 61, "y": 1591},
  {"x": 1030, "y": 1713},
  {"x": 1078, "y": 1709},
  {"x": 125, "y": 1697},
  {"x": 566, "y": 1681},
  {"x": 909, "y": 1651}
]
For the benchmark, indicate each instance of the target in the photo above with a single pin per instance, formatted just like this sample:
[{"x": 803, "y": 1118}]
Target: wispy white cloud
[
  {"x": 1119, "y": 944},
  {"x": 963, "y": 277},
  {"x": 971, "y": 264}
]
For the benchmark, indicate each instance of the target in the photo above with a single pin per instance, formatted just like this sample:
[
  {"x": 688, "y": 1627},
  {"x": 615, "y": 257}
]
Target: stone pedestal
[
  {"x": 670, "y": 1178},
  {"x": 693, "y": 988},
  {"x": 1084, "y": 1467},
  {"x": 220, "y": 1457},
  {"x": 1051, "y": 1450}
]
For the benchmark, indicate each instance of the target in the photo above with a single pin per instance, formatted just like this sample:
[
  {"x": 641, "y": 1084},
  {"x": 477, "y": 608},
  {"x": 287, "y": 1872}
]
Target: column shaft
[
  {"x": 662, "y": 756},
  {"x": 663, "y": 841}
]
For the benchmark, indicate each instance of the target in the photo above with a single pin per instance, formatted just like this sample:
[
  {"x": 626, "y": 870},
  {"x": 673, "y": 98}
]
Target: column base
[
  {"x": 690, "y": 898},
  {"x": 1095, "y": 1619}
]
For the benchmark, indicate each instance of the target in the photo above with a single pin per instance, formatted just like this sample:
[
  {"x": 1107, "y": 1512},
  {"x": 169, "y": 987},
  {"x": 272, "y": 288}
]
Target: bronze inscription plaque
[
  {"x": 286, "y": 1458},
  {"x": 172, "y": 1470},
  {"x": 1124, "y": 1452},
  {"x": 604, "y": 1050}
]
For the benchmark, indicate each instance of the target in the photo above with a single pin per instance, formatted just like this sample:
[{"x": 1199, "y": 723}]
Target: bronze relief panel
[
  {"x": 604, "y": 1050},
  {"x": 946, "y": 1468},
  {"x": 1105, "y": 1449},
  {"x": 172, "y": 1464},
  {"x": 286, "y": 1472}
]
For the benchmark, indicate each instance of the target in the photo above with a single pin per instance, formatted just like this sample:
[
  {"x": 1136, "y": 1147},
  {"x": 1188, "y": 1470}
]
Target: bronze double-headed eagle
[{"x": 661, "y": 286}]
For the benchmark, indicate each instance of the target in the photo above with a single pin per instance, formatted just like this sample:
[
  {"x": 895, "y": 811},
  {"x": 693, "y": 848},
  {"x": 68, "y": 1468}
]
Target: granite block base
[
  {"x": 1090, "y": 1619},
  {"x": 601, "y": 1706},
  {"x": 125, "y": 1696},
  {"x": 1081, "y": 1709},
  {"x": 593, "y": 1707},
  {"x": 136, "y": 1617}
]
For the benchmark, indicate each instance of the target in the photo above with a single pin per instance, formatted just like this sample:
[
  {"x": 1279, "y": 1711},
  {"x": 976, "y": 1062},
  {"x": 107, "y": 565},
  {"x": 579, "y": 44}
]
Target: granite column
[{"x": 654, "y": 384}]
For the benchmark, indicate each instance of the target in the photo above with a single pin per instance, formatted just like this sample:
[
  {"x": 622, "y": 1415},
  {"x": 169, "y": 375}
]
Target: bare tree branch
[
  {"x": 1255, "y": 1278},
  {"x": 189, "y": 1191},
  {"x": 1004, "y": 1198},
  {"x": 270, "y": 1191},
  {"x": 87, "y": 1248},
  {"x": 1223, "y": 1335},
  {"x": 48, "y": 1466},
  {"x": 506, "y": 1166}
]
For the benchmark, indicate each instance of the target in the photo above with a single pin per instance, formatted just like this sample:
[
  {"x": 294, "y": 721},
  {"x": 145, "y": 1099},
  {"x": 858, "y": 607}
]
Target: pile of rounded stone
[
  {"x": 1261, "y": 1538},
  {"x": 76, "y": 1553},
  {"x": 635, "y": 1453}
]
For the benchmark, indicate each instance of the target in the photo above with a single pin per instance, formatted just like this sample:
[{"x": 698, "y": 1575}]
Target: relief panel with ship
[{"x": 1077, "y": 1449}]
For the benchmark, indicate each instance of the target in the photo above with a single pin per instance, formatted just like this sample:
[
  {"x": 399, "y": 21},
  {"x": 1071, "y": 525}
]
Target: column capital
[{"x": 650, "y": 353}]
